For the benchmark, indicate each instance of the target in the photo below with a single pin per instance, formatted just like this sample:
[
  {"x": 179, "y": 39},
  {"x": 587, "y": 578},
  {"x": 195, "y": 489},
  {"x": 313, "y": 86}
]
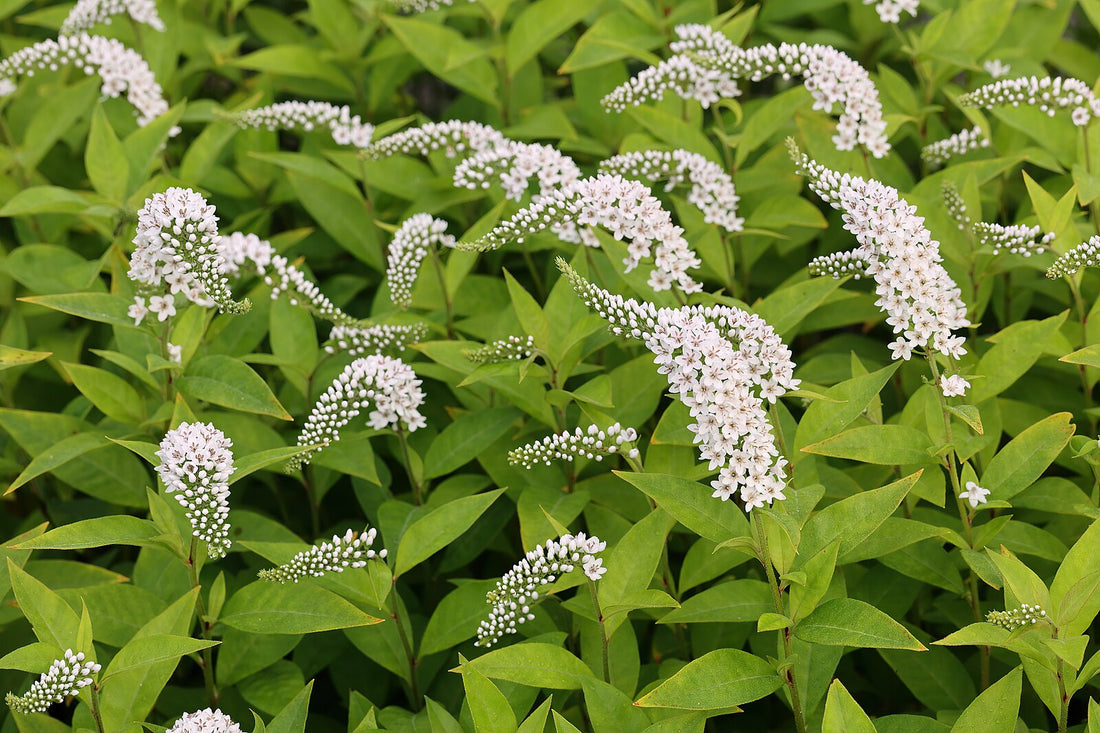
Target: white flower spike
[
  {"x": 65, "y": 678},
  {"x": 195, "y": 465}
]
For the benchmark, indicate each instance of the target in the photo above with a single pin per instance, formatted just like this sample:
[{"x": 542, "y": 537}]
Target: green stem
[
  {"x": 1094, "y": 207},
  {"x": 1083, "y": 316},
  {"x": 605, "y": 643},
  {"x": 442, "y": 275},
  {"x": 418, "y": 489},
  {"x": 765, "y": 558},
  {"x": 1063, "y": 696},
  {"x": 96, "y": 715},
  {"x": 204, "y": 626},
  {"x": 414, "y": 663}
]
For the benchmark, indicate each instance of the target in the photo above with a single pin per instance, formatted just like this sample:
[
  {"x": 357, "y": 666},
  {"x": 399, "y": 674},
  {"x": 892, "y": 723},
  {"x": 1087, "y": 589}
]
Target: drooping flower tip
[
  {"x": 518, "y": 591},
  {"x": 65, "y": 678},
  {"x": 205, "y": 721},
  {"x": 367, "y": 340},
  {"x": 591, "y": 443},
  {"x": 195, "y": 465},
  {"x": 513, "y": 348},
  {"x": 1025, "y": 615},
  {"x": 1086, "y": 254},
  {"x": 344, "y": 127},
  {"x": 336, "y": 555},
  {"x": 939, "y": 152},
  {"x": 1048, "y": 94},
  {"x": 838, "y": 265},
  {"x": 411, "y": 243}
]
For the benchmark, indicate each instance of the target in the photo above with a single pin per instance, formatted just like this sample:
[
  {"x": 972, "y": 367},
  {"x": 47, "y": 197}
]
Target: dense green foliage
[{"x": 855, "y": 598}]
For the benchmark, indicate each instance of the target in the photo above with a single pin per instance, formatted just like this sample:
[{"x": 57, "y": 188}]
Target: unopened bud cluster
[
  {"x": 591, "y": 443},
  {"x": 1025, "y": 615},
  {"x": 65, "y": 678},
  {"x": 712, "y": 189},
  {"x": 345, "y": 128},
  {"x": 625, "y": 208},
  {"x": 410, "y": 245},
  {"x": 352, "y": 550},
  {"x": 454, "y": 137},
  {"x": 388, "y": 383},
  {"x": 205, "y": 721},
  {"x": 367, "y": 340},
  {"x": 838, "y": 265},
  {"x": 956, "y": 206},
  {"x": 177, "y": 250},
  {"x": 1016, "y": 238},
  {"x": 513, "y": 348},
  {"x": 87, "y": 13},
  {"x": 518, "y": 591},
  {"x": 121, "y": 69},
  {"x": 1049, "y": 94},
  {"x": 1083, "y": 255},
  {"x": 195, "y": 465},
  {"x": 939, "y": 152},
  {"x": 921, "y": 301}
]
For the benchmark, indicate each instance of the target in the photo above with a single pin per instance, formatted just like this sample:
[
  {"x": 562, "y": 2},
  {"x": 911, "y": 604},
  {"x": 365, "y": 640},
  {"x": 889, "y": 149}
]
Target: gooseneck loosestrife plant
[{"x": 316, "y": 318}]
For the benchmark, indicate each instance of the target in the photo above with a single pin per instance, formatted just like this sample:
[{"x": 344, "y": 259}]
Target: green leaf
[
  {"x": 271, "y": 608},
  {"x": 152, "y": 649},
  {"x": 849, "y": 622},
  {"x": 847, "y": 401},
  {"x": 105, "y": 159},
  {"x": 854, "y": 519},
  {"x": 786, "y": 308},
  {"x": 448, "y": 55},
  {"x": 610, "y": 709},
  {"x": 1026, "y": 458},
  {"x": 343, "y": 216},
  {"x": 312, "y": 167},
  {"x": 113, "y": 395},
  {"x": 488, "y": 705},
  {"x": 11, "y": 357},
  {"x": 118, "y": 529},
  {"x": 294, "y": 60},
  {"x": 889, "y": 445},
  {"x": 529, "y": 313},
  {"x": 737, "y": 601},
  {"x": 292, "y": 718},
  {"x": 246, "y": 465},
  {"x": 1017, "y": 348},
  {"x": 466, "y": 438},
  {"x": 227, "y": 382},
  {"x": 455, "y": 618},
  {"x": 1075, "y": 592},
  {"x": 44, "y": 200},
  {"x": 53, "y": 621},
  {"x": 538, "y": 24},
  {"x": 102, "y": 307},
  {"x": 691, "y": 504},
  {"x": 58, "y": 455},
  {"x": 843, "y": 714},
  {"x": 719, "y": 680},
  {"x": 995, "y": 709},
  {"x": 438, "y": 528},
  {"x": 534, "y": 664}
]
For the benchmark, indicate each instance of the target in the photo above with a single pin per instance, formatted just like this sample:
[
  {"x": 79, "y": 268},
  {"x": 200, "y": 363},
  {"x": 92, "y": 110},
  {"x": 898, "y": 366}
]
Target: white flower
[
  {"x": 205, "y": 721},
  {"x": 1016, "y": 238},
  {"x": 711, "y": 189},
  {"x": 996, "y": 68},
  {"x": 723, "y": 364},
  {"x": 591, "y": 443},
  {"x": 177, "y": 249},
  {"x": 238, "y": 249},
  {"x": 86, "y": 13},
  {"x": 163, "y": 305},
  {"x": 64, "y": 678},
  {"x": 175, "y": 353},
  {"x": 334, "y": 556},
  {"x": 974, "y": 494},
  {"x": 195, "y": 465},
  {"x": 922, "y": 303},
  {"x": 516, "y": 592},
  {"x": 345, "y": 128},
  {"x": 365, "y": 340},
  {"x": 120, "y": 68},
  {"x": 408, "y": 248},
  {"x": 1048, "y": 94},
  {"x": 138, "y": 310},
  {"x": 953, "y": 386},
  {"x": 513, "y": 348},
  {"x": 889, "y": 11},
  {"x": 389, "y": 383},
  {"x": 939, "y": 152}
]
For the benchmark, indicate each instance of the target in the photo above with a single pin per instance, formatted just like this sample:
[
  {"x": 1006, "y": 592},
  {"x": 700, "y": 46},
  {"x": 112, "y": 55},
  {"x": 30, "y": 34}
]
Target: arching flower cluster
[
  {"x": 712, "y": 189},
  {"x": 87, "y": 13},
  {"x": 941, "y": 151},
  {"x": 513, "y": 164},
  {"x": 408, "y": 248},
  {"x": 1049, "y": 94},
  {"x": 592, "y": 443},
  {"x": 389, "y": 383},
  {"x": 121, "y": 69},
  {"x": 1085, "y": 254},
  {"x": 454, "y": 137},
  {"x": 345, "y": 128},
  {"x": 239, "y": 250},
  {"x": 513, "y": 348},
  {"x": 365, "y": 340},
  {"x": 205, "y": 721},
  {"x": 830, "y": 76},
  {"x": 1025, "y": 615},
  {"x": 421, "y": 6},
  {"x": 195, "y": 465},
  {"x": 65, "y": 678},
  {"x": 342, "y": 552},
  {"x": 518, "y": 591},
  {"x": 955, "y": 205},
  {"x": 627, "y": 209},
  {"x": 838, "y": 265},
  {"x": 922, "y": 303},
  {"x": 177, "y": 251},
  {"x": 1015, "y": 238},
  {"x": 722, "y": 363},
  {"x": 889, "y": 11}
]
